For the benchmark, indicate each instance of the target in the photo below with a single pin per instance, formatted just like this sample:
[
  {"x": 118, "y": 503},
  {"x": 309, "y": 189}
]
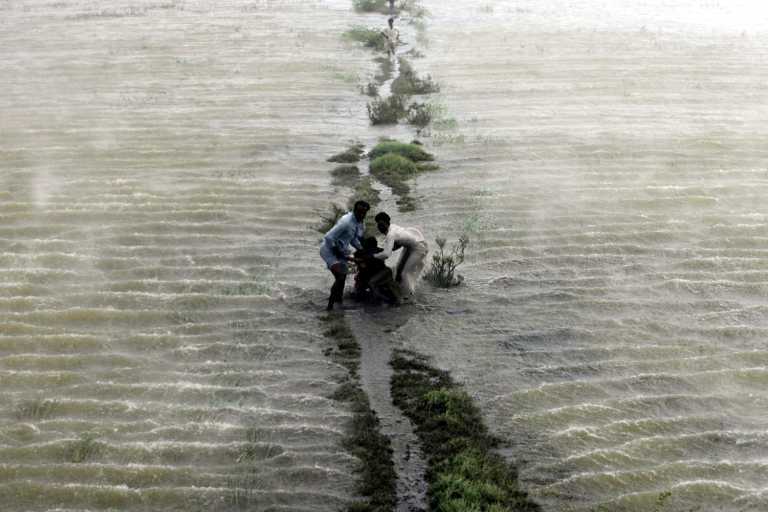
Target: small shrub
[
  {"x": 419, "y": 116},
  {"x": 386, "y": 111},
  {"x": 385, "y": 69},
  {"x": 346, "y": 174},
  {"x": 369, "y": 37},
  {"x": 413, "y": 152},
  {"x": 442, "y": 273},
  {"x": 349, "y": 156},
  {"x": 371, "y": 90},
  {"x": 84, "y": 448},
  {"x": 408, "y": 82},
  {"x": 371, "y": 5},
  {"x": 35, "y": 409},
  {"x": 330, "y": 219}
]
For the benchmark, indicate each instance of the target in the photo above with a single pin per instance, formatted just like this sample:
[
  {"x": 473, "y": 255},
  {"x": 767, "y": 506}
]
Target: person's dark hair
[
  {"x": 370, "y": 243},
  {"x": 362, "y": 204},
  {"x": 382, "y": 217},
  {"x": 391, "y": 21}
]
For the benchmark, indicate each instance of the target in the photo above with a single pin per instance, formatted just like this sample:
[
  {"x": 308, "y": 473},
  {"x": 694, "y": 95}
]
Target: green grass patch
[
  {"x": 385, "y": 69},
  {"x": 386, "y": 110},
  {"x": 85, "y": 448},
  {"x": 464, "y": 473},
  {"x": 377, "y": 477},
  {"x": 413, "y": 152},
  {"x": 392, "y": 164},
  {"x": 345, "y": 175},
  {"x": 368, "y": 37},
  {"x": 381, "y": 6},
  {"x": 35, "y": 409},
  {"x": 349, "y": 156},
  {"x": 409, "y": 83},
  {"x": 371, "y": 89}
]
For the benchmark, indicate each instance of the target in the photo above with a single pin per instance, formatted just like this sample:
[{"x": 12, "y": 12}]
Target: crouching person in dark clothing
[{"x": 374, "y": 278}]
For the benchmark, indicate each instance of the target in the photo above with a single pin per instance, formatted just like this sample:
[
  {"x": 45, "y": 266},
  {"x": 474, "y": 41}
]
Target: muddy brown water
[{"x": 160, "y": 164}]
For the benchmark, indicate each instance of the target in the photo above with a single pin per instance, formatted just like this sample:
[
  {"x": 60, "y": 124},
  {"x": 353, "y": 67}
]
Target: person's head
[
  {"x": 370, "y": 243},
  {"x": 360, "y": 210},
  {"x": 382, "y": 222},
  {"x": 391, "y": 22}
]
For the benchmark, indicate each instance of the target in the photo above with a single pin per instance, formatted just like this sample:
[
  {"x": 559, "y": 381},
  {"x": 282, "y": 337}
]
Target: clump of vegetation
[
  {"x": 393, "y": 164},
  {"x": 385, "y": 69},
  {"x": 442, "y": 273},
  {"x": 386, "y": 111},
  {"x": 364, "y": 439},
  {"x": 345, "y": 175},
  {"x": 348, "y": 156},
  {"x": 84, "y": 448},
  {"x": 381, "y": 6},
  {"x": 464, "y": 473},
  {"x": 371, "y": 90},
  {"x": 329, "y": 219},
  {"x": 409, "y": 83},
  {"x": 413, "y": 152},
  {"x": 35, "y": 409},
  {"x": 369, "y": 37},
  {"x": 419, "y": 116}
]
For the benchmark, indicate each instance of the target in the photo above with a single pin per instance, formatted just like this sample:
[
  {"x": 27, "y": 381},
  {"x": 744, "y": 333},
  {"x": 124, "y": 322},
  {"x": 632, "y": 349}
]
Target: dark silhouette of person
[{"x": 374, "y": 277}]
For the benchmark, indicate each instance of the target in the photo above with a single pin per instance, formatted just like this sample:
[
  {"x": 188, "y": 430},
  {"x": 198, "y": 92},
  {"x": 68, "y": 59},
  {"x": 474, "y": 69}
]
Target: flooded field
[{"x": 162, "y": 165}]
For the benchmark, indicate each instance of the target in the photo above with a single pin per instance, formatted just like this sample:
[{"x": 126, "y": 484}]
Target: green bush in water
[
  {"x": 413, "y": 152},
  {"x": 350, "y": 156},
  {"x": 394, "y": 164},
  {"x": 386, "y": 111},
  {"x": 442, "y": 273},
  {"x": 371, "y": 5},
  {"x": 419, "y": 115},
  {"x": 371, "y": 38},
  {"x": 409, "y": 83}
]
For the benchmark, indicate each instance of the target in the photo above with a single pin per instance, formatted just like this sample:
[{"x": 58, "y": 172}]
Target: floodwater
[
  {"x": 608, "y": 161},
  {"x": 161, "y": 164}
]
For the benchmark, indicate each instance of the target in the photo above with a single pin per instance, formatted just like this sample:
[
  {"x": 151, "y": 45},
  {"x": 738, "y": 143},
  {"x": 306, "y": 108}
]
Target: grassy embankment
[
  {"x": 465, "y": 474},
  {"x": 377, "y": 477}
]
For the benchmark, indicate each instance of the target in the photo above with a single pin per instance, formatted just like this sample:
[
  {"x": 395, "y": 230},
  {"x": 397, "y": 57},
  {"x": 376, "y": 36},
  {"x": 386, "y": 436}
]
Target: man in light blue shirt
[{"x": 334, "y": 250}]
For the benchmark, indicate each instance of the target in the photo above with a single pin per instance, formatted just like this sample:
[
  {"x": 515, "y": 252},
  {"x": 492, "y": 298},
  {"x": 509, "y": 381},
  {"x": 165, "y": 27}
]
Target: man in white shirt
[
  {"x": 414, "y": 253},
  {"x": 391, "y": 37}
]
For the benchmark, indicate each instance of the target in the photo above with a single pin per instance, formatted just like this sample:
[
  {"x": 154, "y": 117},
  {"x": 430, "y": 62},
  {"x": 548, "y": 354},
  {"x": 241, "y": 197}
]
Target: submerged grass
[
  {"x": 409, "y": 83},
  {"x": 369, "y": 37},
  {"x": 387, "y": 110},
  {"x": 377, "y": 480},
  {"x": 350, "y": 155},
  {"x": 85, "y": 448},
  {"x": 35, "y": 409},
  {"x": 381, "y": 6},
  {"x": 329, "y": 219},
  {"x": 464, "y": 474},
  {"x": 413, "y": 152},
  {"x": 393, "y": 163}
]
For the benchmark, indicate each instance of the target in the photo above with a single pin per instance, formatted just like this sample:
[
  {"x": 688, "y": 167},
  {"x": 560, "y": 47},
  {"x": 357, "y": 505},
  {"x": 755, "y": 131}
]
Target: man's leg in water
[
  {"x": 412, "y": 267},
  {"x": 339, "y": 271}
]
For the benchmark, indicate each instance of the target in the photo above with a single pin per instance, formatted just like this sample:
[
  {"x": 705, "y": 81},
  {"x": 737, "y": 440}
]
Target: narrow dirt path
[{"x": 376, "y": 332}]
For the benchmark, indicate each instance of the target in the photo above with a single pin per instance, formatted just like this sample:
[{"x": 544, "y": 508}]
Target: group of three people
[{"x": 373, "y": 275}]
